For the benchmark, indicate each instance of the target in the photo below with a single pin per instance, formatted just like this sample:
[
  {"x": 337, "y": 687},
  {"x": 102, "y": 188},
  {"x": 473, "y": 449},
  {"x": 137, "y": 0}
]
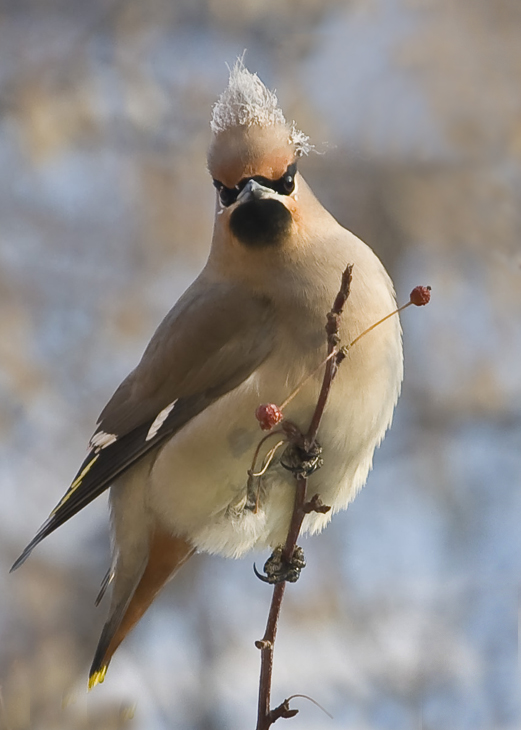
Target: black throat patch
[{"x": 261, "y": 223}]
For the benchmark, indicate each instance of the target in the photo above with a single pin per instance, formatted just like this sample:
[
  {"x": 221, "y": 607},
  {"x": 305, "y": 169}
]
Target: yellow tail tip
[{"x": 97, "y": 677}]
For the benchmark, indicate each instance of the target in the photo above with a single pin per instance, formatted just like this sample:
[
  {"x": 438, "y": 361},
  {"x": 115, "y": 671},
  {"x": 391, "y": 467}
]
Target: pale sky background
[{"x": 407, "y": 615}]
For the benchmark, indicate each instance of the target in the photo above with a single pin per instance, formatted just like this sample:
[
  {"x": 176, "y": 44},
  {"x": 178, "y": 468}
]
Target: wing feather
[
  {"x": 212, "y": 340},
  {"x": 101, "y": 467}
]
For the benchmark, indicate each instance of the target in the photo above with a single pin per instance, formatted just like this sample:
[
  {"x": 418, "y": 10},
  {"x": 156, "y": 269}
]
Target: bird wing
[{"x": 210, "y": 342}]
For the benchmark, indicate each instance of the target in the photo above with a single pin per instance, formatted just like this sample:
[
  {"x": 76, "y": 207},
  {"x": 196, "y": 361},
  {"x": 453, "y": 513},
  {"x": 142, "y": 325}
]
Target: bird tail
[{"x": 166, "y": 555}]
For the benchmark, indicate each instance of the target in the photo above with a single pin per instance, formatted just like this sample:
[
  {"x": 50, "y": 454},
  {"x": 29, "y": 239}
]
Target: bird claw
[
  {"x": 302, "y": 462},
  {"x": 277, "y": 569}
]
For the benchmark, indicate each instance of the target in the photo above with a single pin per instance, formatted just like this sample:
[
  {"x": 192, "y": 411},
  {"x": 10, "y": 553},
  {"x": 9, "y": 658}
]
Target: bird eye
[
  {"x": 226, "y": 195},
  {"x": 288, "y": 183}
]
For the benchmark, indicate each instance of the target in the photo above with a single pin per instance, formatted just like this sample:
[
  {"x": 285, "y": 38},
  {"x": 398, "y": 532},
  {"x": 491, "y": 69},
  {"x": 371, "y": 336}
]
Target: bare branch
[
  {"x": 303, "y": 453},
  {"x": 307, "y": 447}
]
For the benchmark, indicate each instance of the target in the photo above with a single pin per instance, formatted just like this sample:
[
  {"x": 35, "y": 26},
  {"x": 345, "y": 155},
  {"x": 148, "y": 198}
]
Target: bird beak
[{"x": 254, "y": 191}]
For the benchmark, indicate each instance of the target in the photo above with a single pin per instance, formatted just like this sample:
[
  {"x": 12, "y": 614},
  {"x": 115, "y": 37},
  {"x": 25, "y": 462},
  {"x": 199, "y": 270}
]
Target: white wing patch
[
  {"x": 101, "y": 440},
  {"x": 159, "y": 420}
]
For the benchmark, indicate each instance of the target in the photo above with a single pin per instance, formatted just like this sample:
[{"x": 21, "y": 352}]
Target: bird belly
[{"x": 198, "y": 485}]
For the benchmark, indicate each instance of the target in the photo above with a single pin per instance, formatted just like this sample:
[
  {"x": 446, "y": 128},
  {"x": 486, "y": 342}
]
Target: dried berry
[
  {"x": 420, "y": 295},
  {"x": 268, "y": 415}
]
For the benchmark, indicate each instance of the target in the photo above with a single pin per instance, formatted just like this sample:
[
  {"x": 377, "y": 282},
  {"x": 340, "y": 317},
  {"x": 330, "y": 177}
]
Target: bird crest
[{"x": 246, "y": 101}]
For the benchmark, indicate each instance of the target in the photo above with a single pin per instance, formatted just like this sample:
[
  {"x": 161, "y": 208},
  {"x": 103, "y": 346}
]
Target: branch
[
  {"x": 305, "y": 458},
  {"x": 307, "y": 446}
]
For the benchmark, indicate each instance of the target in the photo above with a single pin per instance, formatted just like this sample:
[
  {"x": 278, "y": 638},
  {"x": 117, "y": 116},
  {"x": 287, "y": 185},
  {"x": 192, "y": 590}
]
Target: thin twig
[
  {"x": 303, "y": 382},
  {"x": 252, "y": 492},
  {"x": 307, "y": 697},
  {"x": 376, "y": 324},
  {"x": 268, "y": 459},
  {"x": 266, "y": 717},
  {"x": 257, "y": 450},
  {"x": 308, "y": 452},
  {"x": 422, "y": 292},
  {"x": 332, "y": 341},
  {"x": 266, "y": 645}
]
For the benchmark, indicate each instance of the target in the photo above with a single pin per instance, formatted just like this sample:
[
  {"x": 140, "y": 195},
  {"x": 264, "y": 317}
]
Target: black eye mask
[{"x": 283, "y": 186}]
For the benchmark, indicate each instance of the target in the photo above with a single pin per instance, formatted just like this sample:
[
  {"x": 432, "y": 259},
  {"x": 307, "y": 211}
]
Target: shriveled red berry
[
  {"x": 268, "y": 415},
  {"x": 421, "y": 295}
]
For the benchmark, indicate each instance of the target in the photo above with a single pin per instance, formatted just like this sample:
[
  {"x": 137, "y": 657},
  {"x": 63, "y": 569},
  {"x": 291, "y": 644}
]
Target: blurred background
[{"x": 407, "y": 616}]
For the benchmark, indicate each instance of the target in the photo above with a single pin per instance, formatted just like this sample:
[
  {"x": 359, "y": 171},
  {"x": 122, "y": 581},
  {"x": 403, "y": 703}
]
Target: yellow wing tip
[
  {"x": 97, "y": 677},
  {"x": 74, "y": 486}
]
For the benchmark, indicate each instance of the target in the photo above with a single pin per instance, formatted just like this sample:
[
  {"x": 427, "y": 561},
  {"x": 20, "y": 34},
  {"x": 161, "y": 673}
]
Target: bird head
[{"x": 253, "y": 162}]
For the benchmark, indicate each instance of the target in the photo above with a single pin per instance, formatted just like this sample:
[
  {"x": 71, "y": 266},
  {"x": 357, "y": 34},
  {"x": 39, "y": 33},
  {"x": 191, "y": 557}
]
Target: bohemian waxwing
[{"x": 175, "y": 442}]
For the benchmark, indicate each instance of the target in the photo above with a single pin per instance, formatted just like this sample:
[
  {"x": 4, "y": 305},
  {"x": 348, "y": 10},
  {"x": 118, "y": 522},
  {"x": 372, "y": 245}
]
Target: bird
[{"x": 175, "y": 442}]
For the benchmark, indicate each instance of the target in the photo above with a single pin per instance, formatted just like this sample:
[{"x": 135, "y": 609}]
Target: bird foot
[
  {"x": 277, "y": 569},
  {"x": 302, "y": 462}
]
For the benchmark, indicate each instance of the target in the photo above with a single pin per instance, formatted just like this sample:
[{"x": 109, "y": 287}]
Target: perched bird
[{"x": 175, "y": 441}]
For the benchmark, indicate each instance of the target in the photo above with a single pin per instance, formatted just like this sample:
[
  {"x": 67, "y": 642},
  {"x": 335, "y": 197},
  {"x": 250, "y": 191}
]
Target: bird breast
[{"x": 198, "y": 484}]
